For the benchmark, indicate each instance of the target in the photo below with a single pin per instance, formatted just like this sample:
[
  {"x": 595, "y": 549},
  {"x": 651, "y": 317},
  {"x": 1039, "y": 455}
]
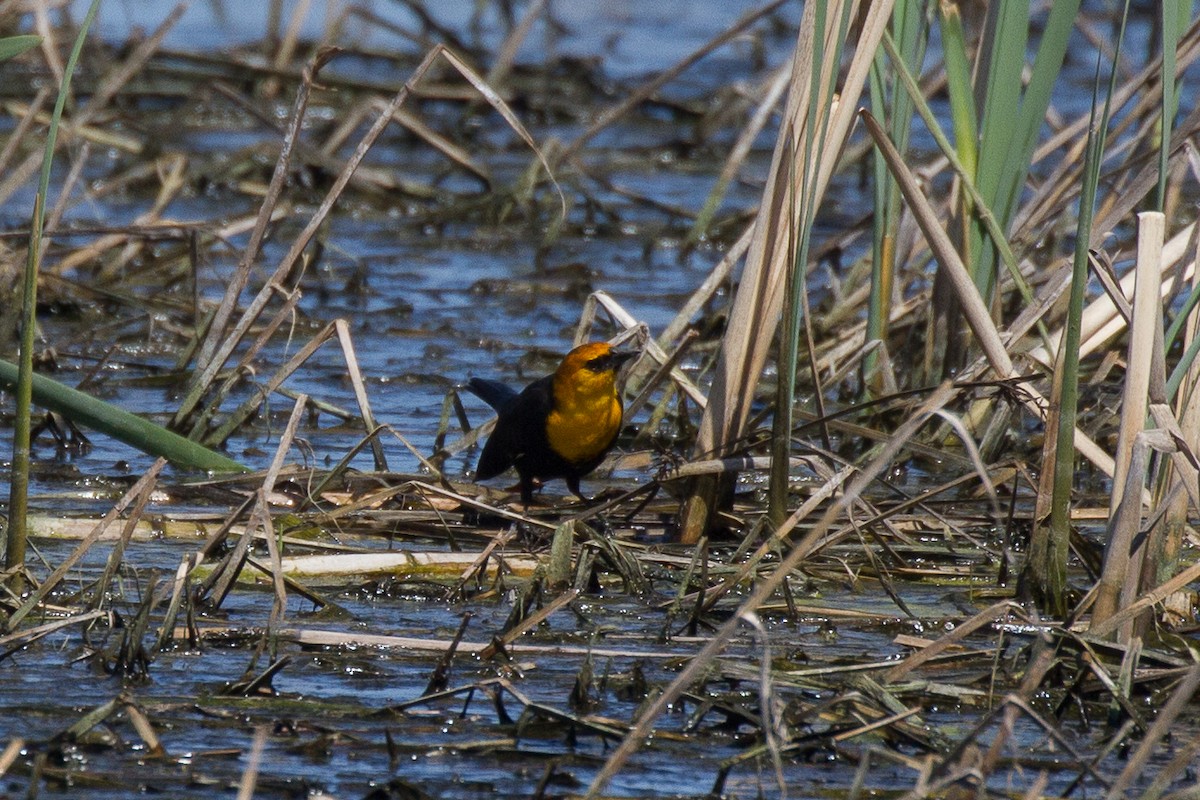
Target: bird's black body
[{"x": 519, "y": 439}]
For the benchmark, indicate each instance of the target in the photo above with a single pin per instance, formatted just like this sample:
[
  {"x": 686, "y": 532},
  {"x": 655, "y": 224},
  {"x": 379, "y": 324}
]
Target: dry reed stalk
[
  {"x": 717, "y": 277},
  {"x": 776, "y": 86},
  {"x": 985, "y": 617},
  {"x": 833, "y": 483},
  {"x": 106, "y": 90},
  {"x": 843, "y": 355},
  {"x": 359, "y": 504},
  {"x": 647, "y": 90},
  {"x": 186, "y": 565},
  {"x": 1183, "y": 760},
  {"x": 83, "y": 131},
  {"x": 338, "y": 328},
  {"x": 327, "y": 638},
  {"x": 1161, "y": 728},
  {"x": 253, "y": 762},
  {"x": 107, "y": 87},
  {"x": 237, "y": 282},
  {"x": 78, "y": 161},
  {"x": 504, "y": 641},
  {"x": 288, "y": 45},
  {"x": 41, "y": 23},
  {"x": 754, "y": 316},
  {"x": 222, "y": 344},
  {"x": 174, "y": 181},
  {"x": 502, "y": 62},
  {"x": 1146, "y": 88},
  {"x": 1147, "y": 319},
  {"x": 285, "y": 312},
  {"x": 19, "y": 134},
  {"x": 144, "y": 486},
  {"x": 766, "y": 587},
  {"x": 220, "y": 581},
  {"x": 262, "y": 511},
  {"x": 360, "y": 390},
  {"x": 19, "y": 640},
  {"x": 471, "y": 502},
  {"x": 115, "y": 557},
  {"x": 976, "y": 313},
  {"x": 1148, "y": 599},
  {"x": 631, "y": 327},
  {"x": 21, "y": 174},
  {"x": 1163, "y": 550},
  {"x": 968, "y": 444},
  {"x": 661, "y": 373},
  {"x": 415, "y": 125},
  {"x": 12, "y": 751},
  {"x": 1101, "y": 320},
  {"x": 145, "y": 729}
]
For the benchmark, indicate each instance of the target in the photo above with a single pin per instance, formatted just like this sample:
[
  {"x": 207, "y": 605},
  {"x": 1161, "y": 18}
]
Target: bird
[{"x": 560, "y": 426}]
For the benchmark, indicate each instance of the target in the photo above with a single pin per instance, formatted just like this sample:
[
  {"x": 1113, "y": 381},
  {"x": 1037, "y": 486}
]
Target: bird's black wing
[
  {"x": 520, "y": 427},
  {"x": 494, "y": 393}
]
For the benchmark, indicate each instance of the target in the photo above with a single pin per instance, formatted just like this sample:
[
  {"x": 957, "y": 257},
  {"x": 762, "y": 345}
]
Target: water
[{"x": 434, "y": 292}]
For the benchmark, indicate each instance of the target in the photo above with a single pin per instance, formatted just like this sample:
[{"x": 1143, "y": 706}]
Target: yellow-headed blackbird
[{"x": 560, "y": 426}]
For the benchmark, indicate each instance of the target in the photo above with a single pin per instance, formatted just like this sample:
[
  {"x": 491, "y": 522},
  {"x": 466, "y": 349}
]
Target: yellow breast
[
  {"x": 586, "y": 412},
  {"x": 582, "y": 428}
]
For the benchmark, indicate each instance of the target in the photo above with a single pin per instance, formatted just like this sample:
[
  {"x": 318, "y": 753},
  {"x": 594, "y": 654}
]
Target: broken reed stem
[{"x": 1147, "y": 318}]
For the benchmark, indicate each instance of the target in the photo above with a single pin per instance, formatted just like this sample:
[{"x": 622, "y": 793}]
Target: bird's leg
[
  {"x": 573, "y": 485},
  {"x": 528, "y": 482}
]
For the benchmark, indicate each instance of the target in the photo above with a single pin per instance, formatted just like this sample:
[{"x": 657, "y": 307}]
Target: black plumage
[{"x": 519, "y": 439}]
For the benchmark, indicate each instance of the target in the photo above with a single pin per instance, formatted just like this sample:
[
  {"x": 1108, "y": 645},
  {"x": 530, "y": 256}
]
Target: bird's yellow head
[
  {"x": 587, "y": 409},
  {"x": 588, "y": 374}
]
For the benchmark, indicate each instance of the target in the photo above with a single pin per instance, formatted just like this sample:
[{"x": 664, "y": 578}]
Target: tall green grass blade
[
  {"x": 1047, "y": 64},
  {"x": 958, "y": 85},
  {"x": 18, "y": 497},
  {"x": 1181, "y": 369},
  {"x": 883, "y": 251},
  {"x": 146, "y": 436},
  {"x": 1173, "y": 12},
  {"x": 911, "y": 34},
  {"x": 1180, "y": 318},
  {"x": 997, "y": 94},
  {"x": 1006, "y": 145},
  {"x": 978, "y": 205},
  {"x": 1049, "y": 549},
  {"x": 796, "y": 283},
  {"x": 11, "y": 46}
]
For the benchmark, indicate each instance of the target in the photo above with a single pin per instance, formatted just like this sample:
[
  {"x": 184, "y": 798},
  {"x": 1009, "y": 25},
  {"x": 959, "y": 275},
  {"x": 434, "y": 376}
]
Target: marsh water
[{"x": 435, "y": 291}]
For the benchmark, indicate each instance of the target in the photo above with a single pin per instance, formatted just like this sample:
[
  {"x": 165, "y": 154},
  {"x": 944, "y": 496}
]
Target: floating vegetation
[{"x": 904, "y": 499}]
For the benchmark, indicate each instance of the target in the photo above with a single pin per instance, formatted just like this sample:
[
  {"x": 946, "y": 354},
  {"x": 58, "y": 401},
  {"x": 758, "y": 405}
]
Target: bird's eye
[{"x": 600, "y": 363}]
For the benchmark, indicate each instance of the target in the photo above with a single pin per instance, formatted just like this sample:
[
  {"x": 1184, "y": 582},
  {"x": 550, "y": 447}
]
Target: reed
[
  {"x": 755, "y": 314},
  {"x": 1049, "y": 544},
  {"x": 895, "y": 102},
  {"x": 994, "y": 144},
  {"x": 18, "y": 490}
]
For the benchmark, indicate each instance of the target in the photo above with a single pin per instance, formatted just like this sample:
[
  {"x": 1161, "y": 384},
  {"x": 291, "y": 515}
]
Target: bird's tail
[{"x": 494, "y": 393}]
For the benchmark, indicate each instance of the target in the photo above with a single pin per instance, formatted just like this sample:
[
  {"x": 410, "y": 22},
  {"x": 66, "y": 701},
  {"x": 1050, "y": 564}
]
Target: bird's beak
[{"x": 620, "y": 358}]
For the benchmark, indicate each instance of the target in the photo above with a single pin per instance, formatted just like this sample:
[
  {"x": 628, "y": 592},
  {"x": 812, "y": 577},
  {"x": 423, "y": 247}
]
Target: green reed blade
[
  {"x": 911, "y": 28},
  {"x": 147, "y": 436},
  {"x": 18, "y": 497},
  {"x": 1050, "y": 545},
  {"x": 1173, "y": 12},
  {"x": 11, "y": 46}
]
